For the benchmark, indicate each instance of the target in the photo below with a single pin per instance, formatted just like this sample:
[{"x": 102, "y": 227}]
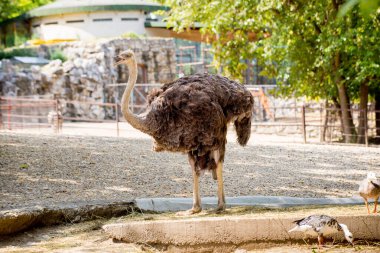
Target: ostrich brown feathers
[{"x": 191, "y": 115}]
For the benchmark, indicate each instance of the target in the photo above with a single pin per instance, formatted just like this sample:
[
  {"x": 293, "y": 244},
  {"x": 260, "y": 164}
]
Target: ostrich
[{"x": 190, "y": 115}]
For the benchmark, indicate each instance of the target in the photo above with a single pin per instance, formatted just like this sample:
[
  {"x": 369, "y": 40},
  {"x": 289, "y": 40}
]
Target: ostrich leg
[
  {"x": 221, "y": 199},
  {"x": 219, "y": 176},
  {"x": 196, "y": 195}
]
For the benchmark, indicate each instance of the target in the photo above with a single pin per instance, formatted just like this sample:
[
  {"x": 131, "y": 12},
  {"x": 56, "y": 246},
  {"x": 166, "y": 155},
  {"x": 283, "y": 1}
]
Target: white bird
[
  {"x": 370, "y": 188},
  {"x": 321, "y": 225}
]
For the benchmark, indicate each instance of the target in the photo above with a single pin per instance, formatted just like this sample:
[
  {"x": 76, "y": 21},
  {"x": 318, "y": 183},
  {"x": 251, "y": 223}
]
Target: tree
[
  {"x": 302, "y": 43},
  {"x": 14, "y": 8}
]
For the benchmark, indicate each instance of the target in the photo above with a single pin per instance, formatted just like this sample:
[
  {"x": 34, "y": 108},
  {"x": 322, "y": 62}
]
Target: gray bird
[
  {"x": 321, "y": 225},
  {"x": 370, "y": 188}
]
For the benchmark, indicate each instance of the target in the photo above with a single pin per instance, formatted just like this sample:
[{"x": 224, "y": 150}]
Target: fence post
[
  {"x": 1, "y": 113},
  {"x": 56, "y": 125},
  {"x": 320, "y": 123},
  {"x": 117, "y": 118},
  {"x": 304, "y": 124},
  {"x": 9, "y": 115},
  {"x": 365, "y": 127}
]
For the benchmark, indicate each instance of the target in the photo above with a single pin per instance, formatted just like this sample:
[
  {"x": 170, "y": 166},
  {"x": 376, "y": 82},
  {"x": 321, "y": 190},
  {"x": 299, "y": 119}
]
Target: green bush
[
  {"x": 131, "y": 35},
  {"x": 57, "y": 54},
  {"x": 11, "y": 52}
]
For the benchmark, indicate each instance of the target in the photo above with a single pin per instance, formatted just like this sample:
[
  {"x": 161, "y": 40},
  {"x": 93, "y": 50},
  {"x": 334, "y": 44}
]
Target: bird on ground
[
  {"x": 370, "y": 188},
  {"x": 190, "y": 115},
  {"x": 321, "y": 225}
]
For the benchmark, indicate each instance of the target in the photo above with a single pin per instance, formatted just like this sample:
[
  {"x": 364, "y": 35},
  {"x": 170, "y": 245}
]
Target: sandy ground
[
  {"x": 43, "y": 169},
  {"x": 89, "y": 237}
]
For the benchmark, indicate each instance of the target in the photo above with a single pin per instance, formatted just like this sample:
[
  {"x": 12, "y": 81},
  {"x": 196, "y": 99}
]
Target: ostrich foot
[
  {"x": 218, "y": 210},
  {"x": 189, "y": 212}
]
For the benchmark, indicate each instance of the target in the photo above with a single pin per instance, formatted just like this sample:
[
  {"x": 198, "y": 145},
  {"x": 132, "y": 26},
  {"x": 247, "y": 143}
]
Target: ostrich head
[{"x": 124, "y": 57}]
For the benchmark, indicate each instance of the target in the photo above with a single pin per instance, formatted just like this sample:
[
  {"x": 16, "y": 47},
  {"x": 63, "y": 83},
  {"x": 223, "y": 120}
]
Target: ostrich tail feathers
[{"x": 243, "y": 130}]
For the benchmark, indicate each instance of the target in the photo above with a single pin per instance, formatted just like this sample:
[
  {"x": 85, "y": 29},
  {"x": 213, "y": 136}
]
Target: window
[
  {"x": 52, "y": 23},
  {"x": 102, "y": 19},
  {"x": 151, "y": 19},
  {"x": 129, "y": 19},
  {"x": 75, "y": 21}
]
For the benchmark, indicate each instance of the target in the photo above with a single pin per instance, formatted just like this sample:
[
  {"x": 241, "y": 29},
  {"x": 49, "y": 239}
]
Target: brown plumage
[
  {"x": 370, "y": 188},
  {"x": 190, "y": 115}
]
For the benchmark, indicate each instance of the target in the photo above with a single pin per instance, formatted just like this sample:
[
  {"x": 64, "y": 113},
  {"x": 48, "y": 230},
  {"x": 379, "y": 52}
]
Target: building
[{"x": 89, "y": 19}]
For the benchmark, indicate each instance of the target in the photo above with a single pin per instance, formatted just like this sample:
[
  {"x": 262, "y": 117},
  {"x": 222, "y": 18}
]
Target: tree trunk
[
  {"x": 377, "y": 109},
  {"x": 349, "y": 135},
  {"x": 338, "y": 111},
  {"x": 325, "y": 121},
  {"x": 362, "y": 128}
]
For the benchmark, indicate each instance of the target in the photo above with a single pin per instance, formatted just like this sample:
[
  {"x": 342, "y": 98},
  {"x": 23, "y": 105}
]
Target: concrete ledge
[
  {"x": 229, "y": 230},
  {"x": 17, "y": 220}
]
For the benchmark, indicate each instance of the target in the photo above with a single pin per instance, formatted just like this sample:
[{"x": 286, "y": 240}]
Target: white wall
[{"x": 89, "y": 29}]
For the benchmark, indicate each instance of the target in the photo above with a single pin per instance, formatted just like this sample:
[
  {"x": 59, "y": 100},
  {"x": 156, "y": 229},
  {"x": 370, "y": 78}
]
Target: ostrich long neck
[{"x": 136, "y": 121}]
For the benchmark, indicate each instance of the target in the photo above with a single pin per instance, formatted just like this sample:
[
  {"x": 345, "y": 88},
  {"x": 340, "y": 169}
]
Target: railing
[
  {"x": 318, "y": 124},
  {"x": 310, "y": 122},
  {"x": 16, "y": 113}
]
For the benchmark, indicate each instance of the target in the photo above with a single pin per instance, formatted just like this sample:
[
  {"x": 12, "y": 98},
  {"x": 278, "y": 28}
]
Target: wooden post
[
  {"x": 1, "y": 114},
  {"x": 366, "y": 127},
  {"x": 117, "y": 118},
  {"x": 56, "y": 125},
  {"x": 320, "y": 123},
  {"x": 9, "y": 115},
  {"x": 304, "y": 124}
]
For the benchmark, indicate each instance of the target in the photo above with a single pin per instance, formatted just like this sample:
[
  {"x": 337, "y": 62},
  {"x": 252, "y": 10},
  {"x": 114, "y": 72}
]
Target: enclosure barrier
[
  {"x": 18, "y": 113},
  {"x": 319, "y": 123},
  {"x": 311, "y": 123}
]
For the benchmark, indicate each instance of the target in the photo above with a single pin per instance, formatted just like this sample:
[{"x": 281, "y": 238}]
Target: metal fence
[
  {"x": 312, "y": 122},
  {"x": 18, "y": 113}
]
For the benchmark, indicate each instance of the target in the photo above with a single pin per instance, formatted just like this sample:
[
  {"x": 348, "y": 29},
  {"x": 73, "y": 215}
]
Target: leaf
[{"x": 24, "y": 166}]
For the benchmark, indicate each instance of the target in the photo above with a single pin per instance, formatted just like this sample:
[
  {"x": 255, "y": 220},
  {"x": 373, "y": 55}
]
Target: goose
[
  {"x": 370, "y": 188},
  {"x": 321, "y": 225}
]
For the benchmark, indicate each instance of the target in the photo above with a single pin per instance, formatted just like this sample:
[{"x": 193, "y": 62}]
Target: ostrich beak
[{"x": 117, "y": 60}]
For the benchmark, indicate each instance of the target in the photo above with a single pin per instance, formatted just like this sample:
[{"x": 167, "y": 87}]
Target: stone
[{"x": 88, "y": 70}]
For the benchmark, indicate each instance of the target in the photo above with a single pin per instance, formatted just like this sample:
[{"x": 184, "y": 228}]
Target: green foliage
[
  {"x": 13, "y": 8},
  {"x": 302, "y": 43},
  {"x": 367, "y": 7},
  {"x": 131, "y": 35},
  {"x": 58, "y": 54},
  {"x": 24, "y": 166},
  {"x": 11, "y": 52}
]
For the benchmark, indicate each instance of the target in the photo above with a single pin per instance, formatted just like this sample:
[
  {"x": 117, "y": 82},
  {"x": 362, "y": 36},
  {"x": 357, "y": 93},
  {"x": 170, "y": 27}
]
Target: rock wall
[{"x": 86, "y": 74}]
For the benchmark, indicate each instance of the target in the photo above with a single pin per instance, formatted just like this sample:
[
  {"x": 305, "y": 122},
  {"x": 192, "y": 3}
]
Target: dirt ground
[
  {"x": 89, "y": 237},
  {"x": 45, "y": 170},
  {"x": 48, "y": 170}
]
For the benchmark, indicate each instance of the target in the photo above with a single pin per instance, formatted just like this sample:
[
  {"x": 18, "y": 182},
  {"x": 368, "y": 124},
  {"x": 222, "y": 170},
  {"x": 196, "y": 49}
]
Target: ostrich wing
[{"x": 186, "y": 118}]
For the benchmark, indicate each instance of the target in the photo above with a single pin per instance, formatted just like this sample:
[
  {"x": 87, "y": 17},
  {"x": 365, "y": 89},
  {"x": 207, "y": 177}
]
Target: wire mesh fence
[{"x": 312, "y": 122}]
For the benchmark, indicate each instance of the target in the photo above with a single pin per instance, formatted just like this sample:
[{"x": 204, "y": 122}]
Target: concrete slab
[
  {"x": 181, "y": 204},
  {"x": 17, "y": 220},
  {"x": 232, "y": 230}
]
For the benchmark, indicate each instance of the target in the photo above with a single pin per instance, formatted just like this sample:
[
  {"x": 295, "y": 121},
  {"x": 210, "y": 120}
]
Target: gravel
[{"x": 47, "y": 170}]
